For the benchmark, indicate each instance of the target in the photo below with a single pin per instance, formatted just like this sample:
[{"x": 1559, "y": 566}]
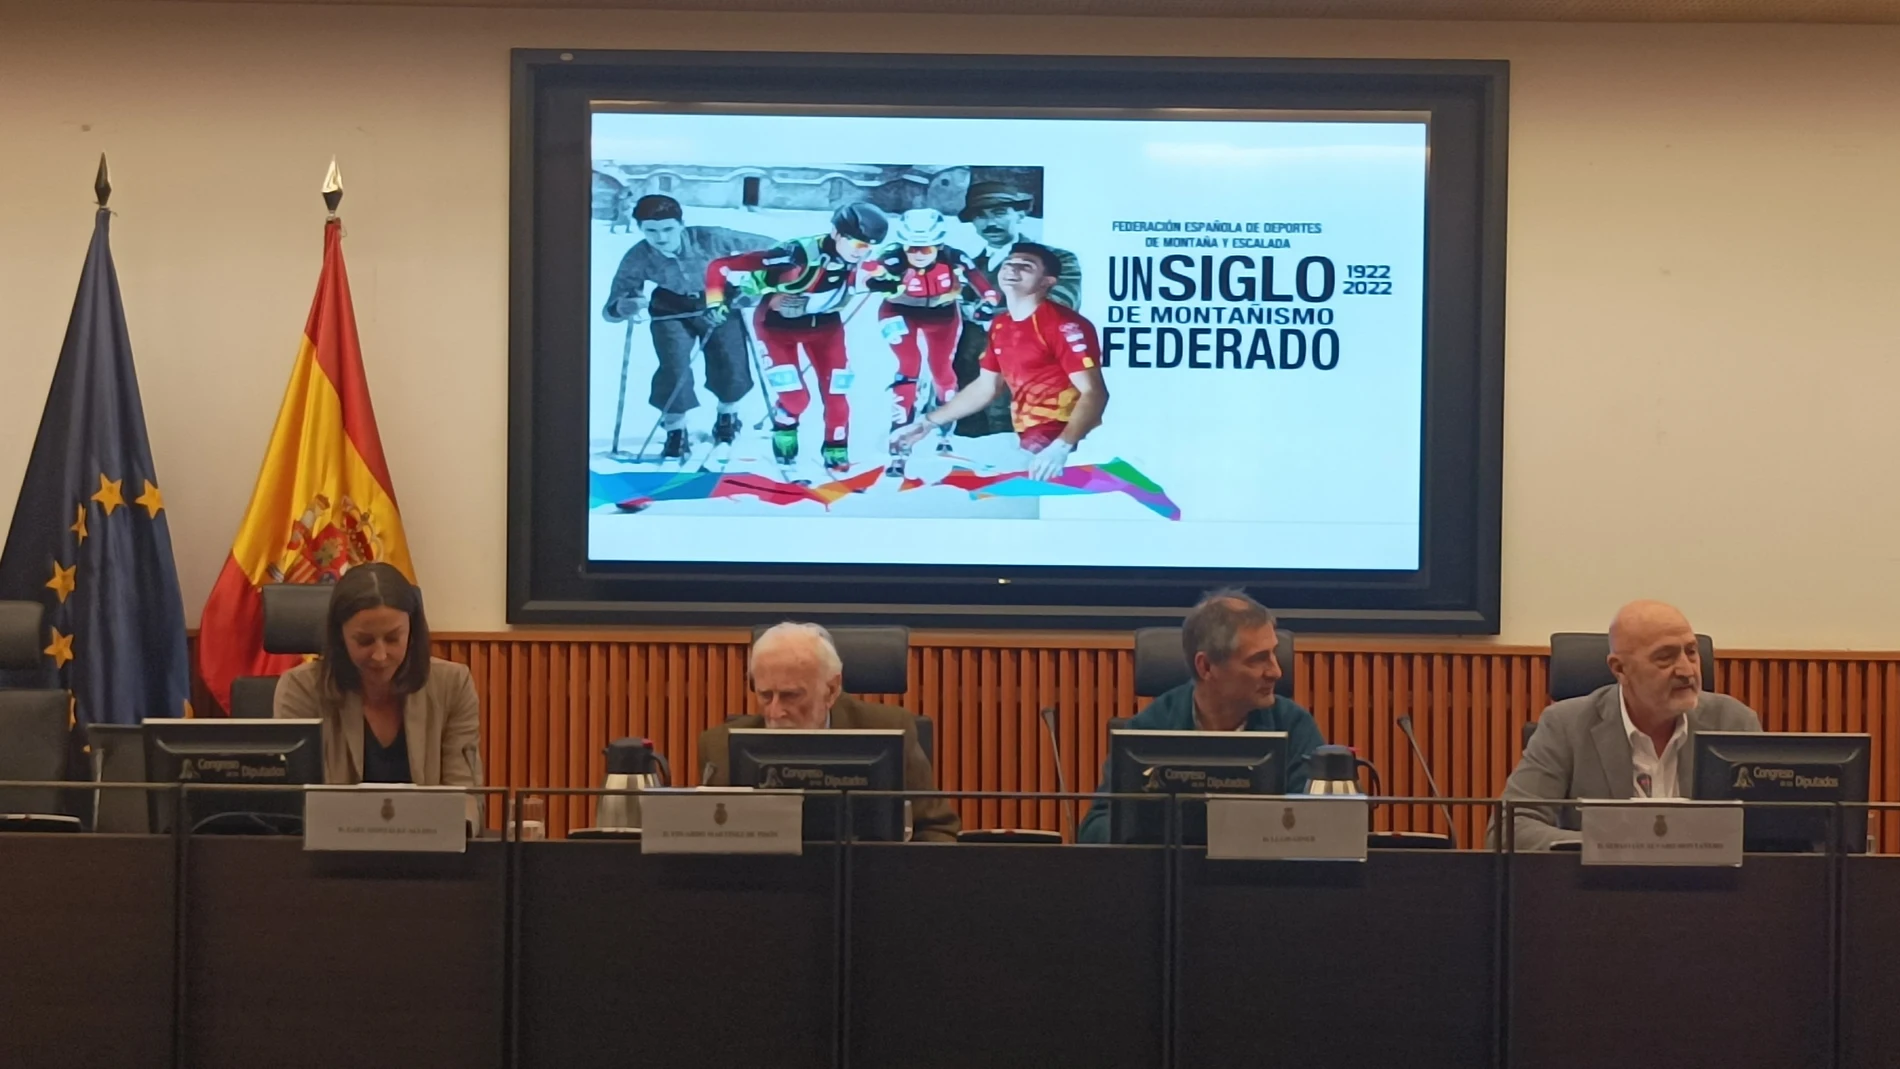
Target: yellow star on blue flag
[
  {"x": 62, "y": 582},
  {"x": 60, "y": 649},
  {"x": 109, "y": 495}
]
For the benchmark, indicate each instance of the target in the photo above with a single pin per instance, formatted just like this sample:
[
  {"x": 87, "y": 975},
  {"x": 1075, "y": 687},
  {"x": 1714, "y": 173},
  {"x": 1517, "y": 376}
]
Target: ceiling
[{"x": 1809, "y": 11}]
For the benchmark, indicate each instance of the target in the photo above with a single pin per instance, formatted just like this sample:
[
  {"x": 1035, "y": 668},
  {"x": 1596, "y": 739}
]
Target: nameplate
[
  {"x": 1643, "y": 833},
  {"x": 721, "y": 822},
  {"x": 385, "y": 817},
  {"x": 1287, "y": 829}
]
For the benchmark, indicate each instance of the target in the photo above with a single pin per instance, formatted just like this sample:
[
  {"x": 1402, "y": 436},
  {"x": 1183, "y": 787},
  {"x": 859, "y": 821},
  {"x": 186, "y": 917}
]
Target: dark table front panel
[
  {"x": 676, "y": 960},
  {"x": 87, "y": 951},
  {"x": 1037, "y": 957},
  {"x": 1387, "y": 963},
  {"x": 320, "y": 960},
  {"x": 959, "y": 956},
  {"x": 1691, "y": 967},
  {"x": 1870, "y": 962}
]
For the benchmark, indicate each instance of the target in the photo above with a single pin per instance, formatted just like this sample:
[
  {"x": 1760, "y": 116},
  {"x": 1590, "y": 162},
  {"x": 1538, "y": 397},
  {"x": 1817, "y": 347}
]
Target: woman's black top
[{"x": 385, "y": 764}]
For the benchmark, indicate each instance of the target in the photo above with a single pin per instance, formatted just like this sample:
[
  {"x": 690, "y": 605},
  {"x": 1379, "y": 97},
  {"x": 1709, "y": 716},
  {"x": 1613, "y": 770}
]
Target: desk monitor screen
[
  {"x": 828, "y": 760},
  {"x": 1187, "y": 762},
  {"x": 254, "y": 752},
  {"x": 1755, "y": 766}
]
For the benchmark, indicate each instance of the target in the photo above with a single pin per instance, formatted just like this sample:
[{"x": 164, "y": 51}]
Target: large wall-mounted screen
[{"x": 1025, "y": 341}]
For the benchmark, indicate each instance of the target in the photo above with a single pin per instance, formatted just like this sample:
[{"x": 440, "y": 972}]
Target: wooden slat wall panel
[{"x": 550, "y": 704}]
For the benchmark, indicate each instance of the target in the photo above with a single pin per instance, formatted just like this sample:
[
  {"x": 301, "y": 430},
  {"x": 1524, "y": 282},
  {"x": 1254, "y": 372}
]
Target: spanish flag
[{"x": 323, "y": 502}]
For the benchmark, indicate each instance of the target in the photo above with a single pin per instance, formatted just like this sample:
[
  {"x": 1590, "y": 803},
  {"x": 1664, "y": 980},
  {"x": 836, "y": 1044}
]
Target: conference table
[{"x": 154, "y": 951}]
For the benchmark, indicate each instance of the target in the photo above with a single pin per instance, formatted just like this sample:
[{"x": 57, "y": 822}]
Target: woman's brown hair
[{"x": 374, "y": 586}]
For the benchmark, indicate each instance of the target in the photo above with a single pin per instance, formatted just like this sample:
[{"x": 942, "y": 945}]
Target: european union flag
[{"x": 89, "y": 538}]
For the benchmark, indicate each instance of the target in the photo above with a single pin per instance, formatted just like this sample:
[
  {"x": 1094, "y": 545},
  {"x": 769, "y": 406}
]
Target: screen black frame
[
  {"x": 1132, "y": 820},
  {"x": 878, "y": 750},
  {"x": 1766, "y": 828},
  {"x": 1455, "y": 590},
  {"x": 166, "y": 742}
]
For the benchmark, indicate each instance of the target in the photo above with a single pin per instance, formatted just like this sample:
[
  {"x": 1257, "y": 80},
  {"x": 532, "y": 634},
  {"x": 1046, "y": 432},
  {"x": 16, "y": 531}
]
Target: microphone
[
  {"x": 706, "y": 774},
  {"x": 1062, "y": 779},
  {"x": 1451, "y": 825}
]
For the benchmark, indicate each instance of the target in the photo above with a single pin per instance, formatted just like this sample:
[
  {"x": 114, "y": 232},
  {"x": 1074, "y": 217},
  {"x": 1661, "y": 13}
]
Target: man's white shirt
[{"x": 1659, "y": 769}]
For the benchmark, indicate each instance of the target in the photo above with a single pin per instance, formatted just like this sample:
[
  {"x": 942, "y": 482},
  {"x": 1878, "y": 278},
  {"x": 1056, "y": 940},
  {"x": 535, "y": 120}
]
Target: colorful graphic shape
[{"x": 634, "y": 491}]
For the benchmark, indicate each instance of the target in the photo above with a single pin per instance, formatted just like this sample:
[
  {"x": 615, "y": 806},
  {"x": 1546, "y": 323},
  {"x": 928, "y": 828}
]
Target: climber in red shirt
[{"x": 1048, "y": 356}]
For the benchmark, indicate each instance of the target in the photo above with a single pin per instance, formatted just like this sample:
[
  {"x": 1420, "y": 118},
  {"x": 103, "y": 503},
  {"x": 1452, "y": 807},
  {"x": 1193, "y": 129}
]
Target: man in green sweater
[{"x": 1230, "y": 643}]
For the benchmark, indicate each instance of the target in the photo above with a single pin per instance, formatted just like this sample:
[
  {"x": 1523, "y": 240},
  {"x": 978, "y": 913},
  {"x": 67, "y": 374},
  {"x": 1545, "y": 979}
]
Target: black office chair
[
  {"x": 34, "y": 732},
  {"x": 1579, "y": 665},
  {"x": 1160, "y": 664},
  {"x": 294, "y": 617},
  {"x": 20, "y": 634},
  {"x": 877, "y": 661}
]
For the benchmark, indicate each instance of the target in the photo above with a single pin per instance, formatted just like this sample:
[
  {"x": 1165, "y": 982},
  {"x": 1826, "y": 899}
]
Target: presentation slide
[{"x": 1075, "y": 341}]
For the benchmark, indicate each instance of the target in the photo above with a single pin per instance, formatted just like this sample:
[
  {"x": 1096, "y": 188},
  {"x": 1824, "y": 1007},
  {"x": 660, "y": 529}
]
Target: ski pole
[
  {"x": 620, "y": 409},
  {"x": 685, "y": 380},
  {"x": 626, "y": 357},
  {"x": 759, "y": 369},
  {"x": 863, "y": 299}
]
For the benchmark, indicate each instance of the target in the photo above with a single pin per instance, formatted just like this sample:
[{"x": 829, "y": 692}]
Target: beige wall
[{"x": 1704, "y": 357}]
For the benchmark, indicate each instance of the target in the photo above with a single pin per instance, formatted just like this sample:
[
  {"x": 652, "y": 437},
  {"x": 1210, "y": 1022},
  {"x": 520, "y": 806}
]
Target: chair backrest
[
  {"x": 876, "y": 659},
  {"x": 34, "y": 735},
  {"x": 1579, "y": 664},
  {"x": 20, "y": 643},
  {"x": 254, "y": 697},
  {"x": 33, "y": 744},
  {"x": 1161, "y": 666},
  {"x": 294, "y": 615}
]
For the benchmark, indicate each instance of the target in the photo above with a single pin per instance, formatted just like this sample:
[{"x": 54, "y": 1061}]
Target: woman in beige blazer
[{"x": 390, "y": 712}]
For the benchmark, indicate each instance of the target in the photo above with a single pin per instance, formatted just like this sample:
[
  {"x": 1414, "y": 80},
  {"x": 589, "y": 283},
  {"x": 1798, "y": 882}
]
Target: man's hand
[
  {"x": 631, "y": 308},
  {"x": 716, "y": 314},
  {"x": 911, "y": 433},
  {"x": 1049, "y": 463}
]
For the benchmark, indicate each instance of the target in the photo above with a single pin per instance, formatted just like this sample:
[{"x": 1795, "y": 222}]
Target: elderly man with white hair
[{"x": 799, "y": 681}]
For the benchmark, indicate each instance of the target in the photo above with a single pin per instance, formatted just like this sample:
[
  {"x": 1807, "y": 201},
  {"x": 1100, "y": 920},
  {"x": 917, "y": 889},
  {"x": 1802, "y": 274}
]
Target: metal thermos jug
[
  {"x": 632, "y": 765},
  {"x": 1335, "y": 770}
]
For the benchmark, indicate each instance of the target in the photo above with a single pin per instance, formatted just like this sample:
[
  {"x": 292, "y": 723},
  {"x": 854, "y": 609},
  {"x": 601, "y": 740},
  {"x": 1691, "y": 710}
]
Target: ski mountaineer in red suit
[
  {"x": 804, "y": 283},
  {"x": 1047, "y": 355},
  {"x": 925, "y": 281}
]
